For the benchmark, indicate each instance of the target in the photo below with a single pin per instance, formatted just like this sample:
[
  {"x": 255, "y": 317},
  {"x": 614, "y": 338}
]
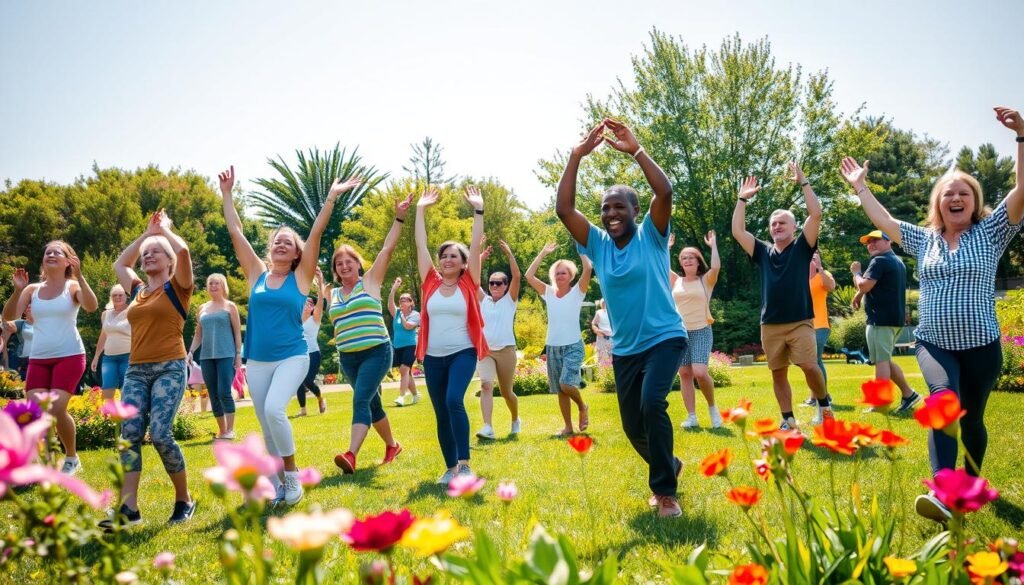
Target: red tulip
[
  {"x": 891, "y": 439},
  {"x": 581, "y": 443},
  {"x": 839, "y": 436},
  {"x": 716, "y": 463},
  {"x": 878, "y": 394},
  {"x": 765, "y": 426},
  {"x": 744, "y": 496},
  {"x": 790, "y": 440},
  {"x": 379, "y": 532},
  {"x": 752, "y": 574},
  {"x": 941, "y": 411}
]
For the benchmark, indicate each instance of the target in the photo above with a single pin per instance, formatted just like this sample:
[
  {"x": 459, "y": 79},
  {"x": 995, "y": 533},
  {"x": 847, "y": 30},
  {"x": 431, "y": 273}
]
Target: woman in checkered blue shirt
[{"x": 957, "y": 254}]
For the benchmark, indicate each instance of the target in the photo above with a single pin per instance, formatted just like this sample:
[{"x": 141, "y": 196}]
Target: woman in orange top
[{"x": 821, "y": 283}]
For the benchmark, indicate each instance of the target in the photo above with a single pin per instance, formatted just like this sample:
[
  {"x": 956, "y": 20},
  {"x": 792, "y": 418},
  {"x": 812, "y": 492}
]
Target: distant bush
[{"x": 849, "y": 332}]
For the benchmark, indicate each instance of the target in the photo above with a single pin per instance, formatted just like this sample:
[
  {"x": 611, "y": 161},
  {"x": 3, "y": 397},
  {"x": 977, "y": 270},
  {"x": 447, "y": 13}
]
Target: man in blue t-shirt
[
  {"x": 883, "y": 286},
  {"x": 787, "y": 313},
  {"x": 632, "y": 264}
]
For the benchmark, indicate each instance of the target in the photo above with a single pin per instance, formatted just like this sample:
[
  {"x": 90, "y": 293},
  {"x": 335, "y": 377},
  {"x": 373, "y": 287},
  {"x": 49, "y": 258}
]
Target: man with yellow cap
[{"x": 883, "y": 287}]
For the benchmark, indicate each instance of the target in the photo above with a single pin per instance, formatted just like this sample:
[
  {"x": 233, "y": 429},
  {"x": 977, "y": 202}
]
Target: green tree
[
  {"x": 295, "y": 196},
  {"x": 995, "y": 173},
  {"x": 426, "y": 165}
]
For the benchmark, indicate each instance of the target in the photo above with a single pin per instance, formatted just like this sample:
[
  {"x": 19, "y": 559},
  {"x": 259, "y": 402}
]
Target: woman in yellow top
[{"x": 821, "y": 283}]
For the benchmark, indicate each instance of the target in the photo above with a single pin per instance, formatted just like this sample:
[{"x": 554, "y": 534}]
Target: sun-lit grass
[{"x": 551, "y": 479}]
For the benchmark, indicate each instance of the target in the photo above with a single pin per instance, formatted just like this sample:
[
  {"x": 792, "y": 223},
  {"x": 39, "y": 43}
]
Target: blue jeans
[
  {"x": 447, "y": 380},
  {"x": 821, "y": 337},
  {"x": 365, "y": 369},
  {"x": 219, "y": 373},
  {"x": 112, "y": 370}
]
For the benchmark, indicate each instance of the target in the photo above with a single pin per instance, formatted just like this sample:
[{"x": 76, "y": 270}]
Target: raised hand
[
  {"x": 398, "y": 282},
  {"x": 796, "y": 174},
  {"x": 711, "y": 239},
  {"x": 428, "y": 197},
  {"x": 549, "y": 248},
  {"x": 473, "y": 197},
  {"x": 227, "y": 180},
  {"x": 1011, "y": 119},
  {"x": 486, "y": 253},
  {"x": 505, "y": 247},
  {"x": 166, "y": 223},
  {"x": 749, "y": 188},
  {"x": 592, "y": 140},
  {"x": 854, "y": 174},
  {"x": 20, "y": 279},
  {"x": 671, "y": 239},
  {"x": 76, "y": 267},
  {"x": 153, "y": 227},
  {"x": 624, "y": 141},
  {"x": 402, "y": 206},
  {"x": 338, "y": 186}
]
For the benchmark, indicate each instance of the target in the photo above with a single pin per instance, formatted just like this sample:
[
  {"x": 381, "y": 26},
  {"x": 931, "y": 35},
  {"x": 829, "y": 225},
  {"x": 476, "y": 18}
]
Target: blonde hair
[
  {"x": 216, "y": 276},
  {"x": 935, "y": 214},
  {"x": 568, "y": 264},
  {"x": 164, "y": 245},
  {"x": 110, "y": 296},
  {"x": 702, "y": 266},
  {"x": 68, "y": 252},
  {"x": 345, "y": 250},
  {"x": 296, "y": 239}
]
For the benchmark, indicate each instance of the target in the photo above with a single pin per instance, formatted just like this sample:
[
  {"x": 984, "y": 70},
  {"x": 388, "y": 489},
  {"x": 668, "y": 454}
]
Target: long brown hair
[{"x": 68, "y": 252}]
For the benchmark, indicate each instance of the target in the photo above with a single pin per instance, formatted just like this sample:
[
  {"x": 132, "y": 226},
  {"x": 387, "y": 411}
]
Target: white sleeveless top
[
  {"x": 448, "y": 330},
  {"x": 119, "y": 333},
  {"x": 310, "y": 328},
  {"x": 56, "y": 331}
]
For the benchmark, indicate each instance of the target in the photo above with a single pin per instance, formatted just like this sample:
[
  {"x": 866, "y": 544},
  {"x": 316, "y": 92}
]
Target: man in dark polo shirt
[
  {"x": 883, "y": 286},
  {"x": 787, "y": 313}
]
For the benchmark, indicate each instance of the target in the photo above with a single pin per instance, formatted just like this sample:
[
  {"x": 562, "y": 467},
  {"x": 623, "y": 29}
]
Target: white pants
[{"x": 272, "y": 386}]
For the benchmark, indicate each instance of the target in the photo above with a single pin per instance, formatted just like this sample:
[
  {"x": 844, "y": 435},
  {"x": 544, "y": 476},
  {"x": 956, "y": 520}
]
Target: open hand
[
  {"x": 854, "y": 174},
  {"x": 711, "y": 239},
  {"x": 338, "y": 186},
  {"x": 76, "y": 267},
  {"x": 402, "y": 207},
  {"x": 671, "y": 239},
  {"x": 473, "y": 197},
  {"x": 592, "y": 140},
  {"x": 428, "y": 197},
  {"x": 505, "y": 247},
  {"x": 796, "y": 174},
  {"x": 227, "y": 181},
  {"x": 1011, "y": 119},
  {"x": 398, "y": 282},
  {"x": 749, "y": 188},
  {"x": 20, "y": 279},
  {"x": 486, "y": 253},
  {"x": 549, "y": 247},
  {"x": 624, "y": 141}
]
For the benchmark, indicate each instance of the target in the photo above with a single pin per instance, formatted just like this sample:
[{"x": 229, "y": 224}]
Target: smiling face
[
  {"x": 451, "y": 260},
  {"x": 56, "y": 259},
  {"x": 405, "y": 303},
  {"x": 782, "y": 227},
  {"x": 692, "y": 262},
  {"x": 956, "y": 202},
  {"x": 347, "y": 268},
  {"x": 118, "y": 298},
  {"x": 157, "y": 258},
  {"x": 285, "y": 247},
  {"x": 619, "y": 209},
  {"x": 497, "y": 285}
]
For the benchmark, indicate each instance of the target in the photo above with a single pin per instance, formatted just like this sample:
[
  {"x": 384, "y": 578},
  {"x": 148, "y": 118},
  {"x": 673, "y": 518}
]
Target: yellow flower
[
  {"x": 900, "y": 567},
  {"x": 433, "y": 535},
  {"x": 302, "y": 532},
  {"x": 986, "y": 564}
]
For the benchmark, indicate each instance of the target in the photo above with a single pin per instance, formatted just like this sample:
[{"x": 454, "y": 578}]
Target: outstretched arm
[
  {"x": 318, "y": 310},
  {"x": 565, "y": 200},
  {"x": 374, "y": 277},
  {"x": 711, "y": 277},
  {"x": 746, "y": 240},
  {"x": 307, "y": 265},
  {"x": 661, "y": 204},
  {"x": 515, "y": 276},
  {"x": 392, "y": 307},
  {"x": 531, "y": 272},
  {"x": 423, "y": 260},
  {"x": 856, "y": 176},
  {"x": 588, "y": 270},
  {"x": 1015, "y": 198},
  {"x": 476, "y": 201},
  {"x": 123, "y": 266},
  {"x": 252, "y": 265},
  {"x": 812, "y": 226},
  {"x": 183, "y": 262},
  {"x": 84, "y": 295}
]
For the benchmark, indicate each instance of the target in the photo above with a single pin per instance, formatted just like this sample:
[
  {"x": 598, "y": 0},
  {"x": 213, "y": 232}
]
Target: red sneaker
[
  {"x": 391, "y": 452},
  {"x": 346, "y": 461}
]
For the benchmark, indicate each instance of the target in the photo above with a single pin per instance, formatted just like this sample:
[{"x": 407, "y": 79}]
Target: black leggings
[
  {"x": 971, "y": 373},
  {"x": 310, "y": 382}
]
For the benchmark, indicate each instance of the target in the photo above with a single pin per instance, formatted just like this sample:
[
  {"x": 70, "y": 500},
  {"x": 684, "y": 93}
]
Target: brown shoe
[
  {"x": 653, "y": 500},
  {"x": 668, "y": 507},
  {"x": 346, "y": 461}
]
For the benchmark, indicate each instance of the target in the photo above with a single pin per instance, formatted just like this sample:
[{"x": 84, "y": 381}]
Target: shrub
[
  {"x": 604, "y": 379},
  {"x": 753, "y": 349},
  {"x": 849, "y": 332},
  {"x": 1011, "y": 378},
  {"x": 11, "y": 386},
  {"x": 531, "y": 377},
  {"x": 718, "y": 367},
  {"x": 736, "y": 323},
  {"x": 95, "y": 431}
]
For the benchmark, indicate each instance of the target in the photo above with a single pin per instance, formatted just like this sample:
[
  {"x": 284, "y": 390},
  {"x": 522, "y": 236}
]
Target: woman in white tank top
[{"x": 57, "y": 358}]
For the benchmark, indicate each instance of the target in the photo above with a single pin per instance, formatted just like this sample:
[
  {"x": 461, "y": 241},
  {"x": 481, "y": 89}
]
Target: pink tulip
[
  {"x": 19, "y": 448},
  {"x": 164, "y": 561},
  {"x": 45, "y": 399},
  {"x": 309, "y": 477},
  {"x": 262, "y": 491},
  {"x": 242, "y": 464},
  {"x": 118, "y": 411},
  {"x": 507, "y": 492},
  {"x": 465, "y": 486},
  {"x": 961, "y": 492}
]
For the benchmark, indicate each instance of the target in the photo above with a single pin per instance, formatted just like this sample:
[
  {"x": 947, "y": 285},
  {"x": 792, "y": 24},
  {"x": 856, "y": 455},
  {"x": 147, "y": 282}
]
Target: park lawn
[{"x": 599, "y": 501}]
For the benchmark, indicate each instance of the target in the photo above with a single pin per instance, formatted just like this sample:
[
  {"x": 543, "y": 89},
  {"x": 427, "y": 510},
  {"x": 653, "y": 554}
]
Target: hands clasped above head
[{"x": 621, "y": 138}]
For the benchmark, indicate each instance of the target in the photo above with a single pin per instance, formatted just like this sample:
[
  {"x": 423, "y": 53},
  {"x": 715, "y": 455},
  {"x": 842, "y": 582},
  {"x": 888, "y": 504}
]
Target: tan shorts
[
  {"x": 789, "y": 343},
  {"x": 500, "y": 366}
]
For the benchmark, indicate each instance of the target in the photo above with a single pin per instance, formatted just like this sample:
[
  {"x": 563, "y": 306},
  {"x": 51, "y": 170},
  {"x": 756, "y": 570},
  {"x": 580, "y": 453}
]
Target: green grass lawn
[{"x": 551, "y": 479}]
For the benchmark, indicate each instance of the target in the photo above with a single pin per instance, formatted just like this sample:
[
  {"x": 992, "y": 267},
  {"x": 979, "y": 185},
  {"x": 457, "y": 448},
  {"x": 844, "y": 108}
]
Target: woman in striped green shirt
[{"x": 364, "y": 346}]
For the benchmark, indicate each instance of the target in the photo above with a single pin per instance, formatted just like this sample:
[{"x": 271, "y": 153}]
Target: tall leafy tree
[
  {"x": 996, "y": 175},
  {"x": 426, "y": 165},
  {"x": 295, "y": 196}
]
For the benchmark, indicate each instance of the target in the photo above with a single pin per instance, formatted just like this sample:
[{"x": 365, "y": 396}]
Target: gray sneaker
[
  {"x": 928, "y": 506},
  {"x": 446, "y": 478},
  {"x": 907, "y": 404},
  {"x": 463, "y": 469},
  {"x": 71, "y": 466}
]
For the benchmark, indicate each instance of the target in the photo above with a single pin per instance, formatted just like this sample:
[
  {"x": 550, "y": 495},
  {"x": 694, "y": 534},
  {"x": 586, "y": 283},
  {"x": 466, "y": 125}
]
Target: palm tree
[{"x": 295, "y": 197}]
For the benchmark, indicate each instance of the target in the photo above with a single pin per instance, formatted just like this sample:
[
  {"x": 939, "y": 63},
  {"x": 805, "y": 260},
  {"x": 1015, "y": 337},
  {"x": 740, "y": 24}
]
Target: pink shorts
[{"x": 63, "y": 373}]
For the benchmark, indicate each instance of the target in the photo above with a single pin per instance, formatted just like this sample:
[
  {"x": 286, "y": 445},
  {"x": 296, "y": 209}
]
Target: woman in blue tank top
[{"x": 274, "y": 346}]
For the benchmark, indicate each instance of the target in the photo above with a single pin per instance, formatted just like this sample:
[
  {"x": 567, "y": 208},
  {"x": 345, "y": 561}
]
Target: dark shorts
[{"x": 404, "y": 356}]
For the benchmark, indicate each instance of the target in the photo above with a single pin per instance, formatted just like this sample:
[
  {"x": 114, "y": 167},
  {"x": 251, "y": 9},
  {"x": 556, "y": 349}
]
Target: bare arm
[
  {"x": 812, "y": 225},
  {"x": 424, "y": 263},
  {"x": 101, "y": 344},
  {"x": 1015, "y": 198},
  {"x": 80, "y": 289},
  {"x": 236, "y": 329},
  {"x": 374, "y": 277},
  {"x": 565, "y": 199},
  {"x": 20, "y": 296},
  {"x": 531, "y": 271},
  {"x": 515, "y": 276},
  {"x": 863, "y": 285},
  {"x": 251, "y": 264},
  {"x": 476, "y": 201},
  {"x": 306, "y": 269},
  {"x": 828, "y": 281},
  {"x": 746, "y": 240},
  {"x": 123, "y": 266},
  {"x": 711, "y": 277},
  {"x": 856, "y": 176},
  {"x": 661, "y": 204},
  {"x": 588, "y": 270},
  {"x": 392, "y": 307},
  {"x": 183, "y": 264},
  {"x": 197, "y": 336}
]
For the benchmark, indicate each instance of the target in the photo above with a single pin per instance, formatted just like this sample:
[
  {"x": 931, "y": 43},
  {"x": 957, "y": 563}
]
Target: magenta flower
[
  {"x": 23, "y": 412},
  {"x": 1016, "y": 563},
  {"x": 19, "y": 448},
  {"x": 961, "y": 492},
  {"x": 164, "y": 561},
  {"x": 465, "y": 486},
  {"x": 1019, "y": 340},
  {"x": 507, "y": 491},
  {"x": 118, "y": 411},
  {"x": 309, "y": 477},
  {"x": 242, "y": 464}
]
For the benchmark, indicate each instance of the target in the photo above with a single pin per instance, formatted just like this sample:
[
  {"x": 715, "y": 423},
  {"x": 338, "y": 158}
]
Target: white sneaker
[
  {"x": 823, "y": 413},
  {"x": 517, "y": 427},
  {"x": 293, "y": 491},
  {"x": 400, "y": 401},
  {"x": 71, "y": 466},
  {"x": 446, "y": 477},
  {"x": 486, "y": 433},
  {"x": 415, "y": 398},
  {"x": 690, "y": 422},
  {"x": 716, "y": 417}
]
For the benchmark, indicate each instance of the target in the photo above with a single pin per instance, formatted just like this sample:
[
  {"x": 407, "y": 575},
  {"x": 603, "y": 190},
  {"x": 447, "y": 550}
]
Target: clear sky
[{"x": 200, "y": 84}]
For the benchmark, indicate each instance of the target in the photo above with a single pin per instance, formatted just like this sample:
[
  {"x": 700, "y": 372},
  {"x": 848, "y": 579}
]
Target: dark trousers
[
  {"x": 219, "y": 374},
  {"x": 310, "y": 382},
  {"x": 448, "y": 378},
  {"x": 642, "y": 383},
  {"x": 365, "y": 369},
  {"x": 971, "y": 373}
]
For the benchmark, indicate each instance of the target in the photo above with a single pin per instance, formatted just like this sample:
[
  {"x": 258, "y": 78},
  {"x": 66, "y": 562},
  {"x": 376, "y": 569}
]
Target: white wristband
[{"x": 637, "y": 153}]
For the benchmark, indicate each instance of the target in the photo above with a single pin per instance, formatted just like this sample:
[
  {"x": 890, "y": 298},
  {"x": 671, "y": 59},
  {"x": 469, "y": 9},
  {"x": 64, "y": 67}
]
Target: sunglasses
[{"x": 497, "y": 283}]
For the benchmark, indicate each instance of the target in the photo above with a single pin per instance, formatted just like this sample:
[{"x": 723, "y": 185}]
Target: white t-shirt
[
  {"x": 602, "y": 322},
  {"x": 310, "y": 329},
  {"x": 448, "y": 330},
  {"x": 563, "y": 316},
  {"x": 498, "y": 321}
]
